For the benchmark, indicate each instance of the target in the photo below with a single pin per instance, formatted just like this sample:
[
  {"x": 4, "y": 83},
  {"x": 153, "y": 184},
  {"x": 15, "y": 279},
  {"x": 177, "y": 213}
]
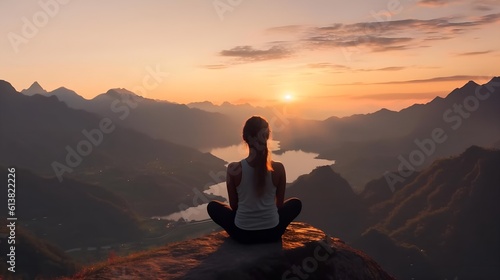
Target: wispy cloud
[
  {"x": 327, "y": 65},
  {"x": 421, "y": 81},
  {"x": 474, "y": 53},
  {"x": 285, "y": 29},
  {"x": 437, "y": 79},
  {"x": 338, "y": 67},
  {"x": 485, "y": 5},
  {"x": 215, "y": 66},
  {"x": 384, "y": 96},
  {"x": 435, "y": 3},
  {"x": 250, "y": 54},
  {"x": 397, "y": 96},
  {"x": 393, "y": 35}
]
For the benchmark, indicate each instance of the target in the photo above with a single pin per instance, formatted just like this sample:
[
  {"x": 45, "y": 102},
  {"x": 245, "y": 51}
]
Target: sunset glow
[{"x": 343, "y": 57}]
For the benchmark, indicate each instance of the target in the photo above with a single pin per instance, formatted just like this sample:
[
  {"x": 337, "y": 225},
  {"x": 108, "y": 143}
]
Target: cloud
[
  {"x": 371, "y": 36},
  {"x": 384, "y": 96},
  {"x": 485, "y": 5},
  {"x": 421, "y": 81},
  {"x": 285, "y": 29},
  {"x": 474, "y": 53},
  {"x": 214, "y": 66},
  {"x": 250, "y": 54},
  {"x": 437, "y": 79},
  {"x": 434, "y": 3},
  {"x": 382, "y": 36},
  {"x": 391, "y": 68},
  {"x": 397, "y": 96},
  {"x": 326, "y": 65},
  {"x": 375, "y": 42}
]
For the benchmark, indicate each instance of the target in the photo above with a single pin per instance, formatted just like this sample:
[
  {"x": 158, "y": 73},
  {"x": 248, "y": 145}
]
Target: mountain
[
  {"x": 404, "y": 261},
  {"x": 70, "y": 213},
  {"x": 239, "y": 112},
  {"x": 156, "y": 177},
  {"x": 158, "y": 119},
  {"x": 177, "y": 123},
  {"x": 329, "y": 203},
  {"x": 438, "y": 223},
  {"x": 304, "y": 253},
  {"x": 35, "y": 88},
  {"x": 71, "y": 98},
  {"x": 364, "y": 147},
  {"x": 40, "y": 259},
  {"x": 450, "y": 212}
]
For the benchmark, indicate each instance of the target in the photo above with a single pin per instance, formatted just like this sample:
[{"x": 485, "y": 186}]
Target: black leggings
[{"x": 224, "y": 216}]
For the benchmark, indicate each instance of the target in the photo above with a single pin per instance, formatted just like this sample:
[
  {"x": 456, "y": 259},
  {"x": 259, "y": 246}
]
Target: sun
[{"x": 288, "y": 97}]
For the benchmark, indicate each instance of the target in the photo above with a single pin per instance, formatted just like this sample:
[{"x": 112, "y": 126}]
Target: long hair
[{"x": 256, "y": 132}]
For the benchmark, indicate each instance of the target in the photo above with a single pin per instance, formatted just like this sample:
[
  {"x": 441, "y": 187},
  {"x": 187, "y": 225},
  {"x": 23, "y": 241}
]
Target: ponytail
[{"x": 256, "y": 132}]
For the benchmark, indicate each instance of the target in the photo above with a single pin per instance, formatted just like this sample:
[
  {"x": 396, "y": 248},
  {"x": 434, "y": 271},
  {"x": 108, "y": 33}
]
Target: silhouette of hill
[
  {"x": 71, "y": 98},
  {"x": 404, "y": 261},
  {"x": 365, "y": 146},
  {"x": 35, "y": 88},
  {"x": 329, "y": 203},
  {"x": 305, "y": 253},
  {"x": 441, "y": 222},
  {"x": 379, "y": 190},
  {"x": 450, "y": 211},
  {"x": 70, "y": 213},
  {"x": 173, "y": 122},
  {"x": 154, "y": 176},
  {"x": 238, "y": 112},
  {"x": 36, "y": 257}
]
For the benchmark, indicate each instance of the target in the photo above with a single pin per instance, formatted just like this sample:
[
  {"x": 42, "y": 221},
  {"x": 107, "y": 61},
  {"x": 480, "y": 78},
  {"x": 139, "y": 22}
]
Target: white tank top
[{"x": 254, "y": 212}]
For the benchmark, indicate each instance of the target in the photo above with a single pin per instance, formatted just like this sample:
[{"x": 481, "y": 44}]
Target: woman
[{"x": 257, "y": 212}]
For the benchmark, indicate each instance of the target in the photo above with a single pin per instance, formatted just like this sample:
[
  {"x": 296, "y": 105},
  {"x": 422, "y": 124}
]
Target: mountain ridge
[
  {"x": 366, "y": 146},
  {"x": 119, "y": 160}
]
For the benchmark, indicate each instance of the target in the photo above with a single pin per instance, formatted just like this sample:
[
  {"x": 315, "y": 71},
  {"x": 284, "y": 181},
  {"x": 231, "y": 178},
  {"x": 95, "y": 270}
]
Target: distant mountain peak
[
  {"x": 470, "y": 84},
  {"x": 121, "y": 93},
  {"x": 35, "y": 88},
  {"x": 469, "y": 87}
]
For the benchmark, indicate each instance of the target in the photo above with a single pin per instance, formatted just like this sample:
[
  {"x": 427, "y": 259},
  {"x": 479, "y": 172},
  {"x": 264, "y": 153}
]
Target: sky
[{"x": 320, "y": 58}]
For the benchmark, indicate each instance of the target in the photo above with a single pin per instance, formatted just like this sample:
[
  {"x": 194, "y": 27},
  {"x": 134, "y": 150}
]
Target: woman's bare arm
[
  {"x": 233, "y": 169},
  {"x": 281, "y": 183}
]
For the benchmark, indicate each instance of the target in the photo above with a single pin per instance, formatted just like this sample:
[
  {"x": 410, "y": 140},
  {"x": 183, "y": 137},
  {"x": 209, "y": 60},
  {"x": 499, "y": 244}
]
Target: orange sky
[{"x": 332, "y": 58}]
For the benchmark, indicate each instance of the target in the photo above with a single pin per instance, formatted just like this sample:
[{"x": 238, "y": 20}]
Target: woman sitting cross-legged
[{"x": 257, "y": 212}]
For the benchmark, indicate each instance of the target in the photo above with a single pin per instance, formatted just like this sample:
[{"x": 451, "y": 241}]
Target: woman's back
[{"x": 255, "y": 212}]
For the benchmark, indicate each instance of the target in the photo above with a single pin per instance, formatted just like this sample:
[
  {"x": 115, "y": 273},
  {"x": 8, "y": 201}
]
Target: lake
[{"x": 296, "y": 163}]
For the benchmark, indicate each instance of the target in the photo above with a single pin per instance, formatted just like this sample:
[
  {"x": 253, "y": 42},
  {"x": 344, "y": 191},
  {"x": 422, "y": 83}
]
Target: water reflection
[{"x": 296, "y": 163}]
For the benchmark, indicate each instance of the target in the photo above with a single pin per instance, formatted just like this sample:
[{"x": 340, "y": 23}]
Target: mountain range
[
  {"x": 364, "y": 147},
  {"x": 412, "y": 188},
  {"x": 440, "y": 223},
  {"x": 450, "y": 211},
  {"x": 44, "y": 135},
  {"x": 165, "y": 120}
]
